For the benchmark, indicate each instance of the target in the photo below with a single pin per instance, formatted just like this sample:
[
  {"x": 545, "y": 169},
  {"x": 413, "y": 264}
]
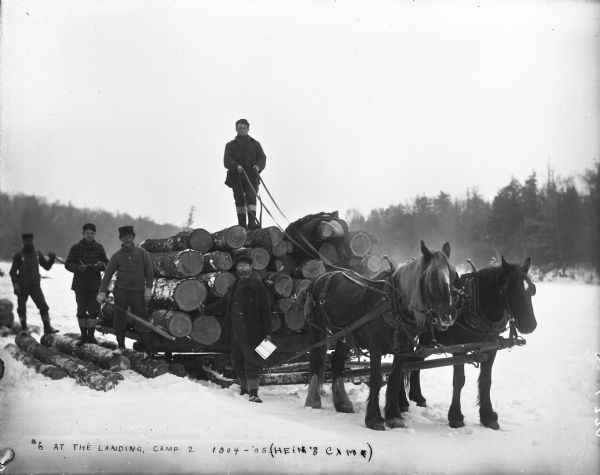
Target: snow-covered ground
[{"x": 545, "y": 393}]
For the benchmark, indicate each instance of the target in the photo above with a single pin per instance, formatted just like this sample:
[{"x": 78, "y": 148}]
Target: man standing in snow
[
  {"x": 244, "y": 157},
  {"x": 133, "y": 287},
  {"x": 247, "y": 322},
  {"x": 25, "y": 276},
  {"x": 86, "y": 259}
]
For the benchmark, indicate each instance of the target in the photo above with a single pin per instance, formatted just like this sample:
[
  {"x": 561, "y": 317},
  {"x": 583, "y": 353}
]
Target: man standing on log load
[
  {"x": 133, "y": 287},
  {"x": 244, "y": 154},
  {"x": 25, "y": 276},
  {"x": 247, "y": 322},
  {"x": 86, "y": 259}
]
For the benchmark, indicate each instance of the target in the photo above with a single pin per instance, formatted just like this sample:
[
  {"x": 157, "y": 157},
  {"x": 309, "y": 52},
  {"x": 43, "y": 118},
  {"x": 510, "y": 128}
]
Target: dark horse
[
  {"x": 417, "y": 295},
  {"x": 491, "y": 299}
]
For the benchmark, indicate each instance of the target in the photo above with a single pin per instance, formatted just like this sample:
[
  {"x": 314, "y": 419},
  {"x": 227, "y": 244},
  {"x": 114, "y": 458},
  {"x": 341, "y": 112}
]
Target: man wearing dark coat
[
  {"x": 25, "y": 276},
  {"x": 245, "y": 160},
  {"x": 86, "y": 260},
  {"x": 247, "y": 322}
]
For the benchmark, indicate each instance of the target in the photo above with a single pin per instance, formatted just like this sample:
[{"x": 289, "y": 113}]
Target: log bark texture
[
  {"x": 178, "y": 324},
  {"x": 145, "y": 365},
  {"x": 264, "y": 237},
  {"x": 177, "y": 265},
  {"x": 174, "y": 294},
  {"x": 217, "y": 283},
  {"x": 48, "y": 370},
  {"x": 88, "y": 375},
  {"x": 217, "y": 260},
  {"x": 89, "y": 352},
  {"x": 229, "y": 239}
]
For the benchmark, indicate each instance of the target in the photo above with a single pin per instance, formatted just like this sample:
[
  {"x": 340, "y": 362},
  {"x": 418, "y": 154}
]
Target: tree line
[
  {"x": 556, "y": 223},
  {"x": 56, "y": 227}
]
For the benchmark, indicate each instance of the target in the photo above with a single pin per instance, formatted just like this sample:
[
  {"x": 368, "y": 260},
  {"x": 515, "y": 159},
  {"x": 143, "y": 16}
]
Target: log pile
[
  {"x": 49, "y": 370},
  {"x": 85, "y": 373},
  {"x": 195, "y": 268}
]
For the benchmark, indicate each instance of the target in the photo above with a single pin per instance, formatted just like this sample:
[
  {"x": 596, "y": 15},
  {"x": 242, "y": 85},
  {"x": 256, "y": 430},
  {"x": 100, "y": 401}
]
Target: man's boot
[
  {"x": 252, "y": 222},
  {"x": 254, "y": 396},
  {"x": 90, "y": 335},
  {"x": 120, "y": 346},
  {"x": 242, "y": 220},
  {"x": 147, "y": 343},
  {"x": 47, "y": 327},
  {"x": 83, "y": 338},
  {"x": 23, "y": 321}
]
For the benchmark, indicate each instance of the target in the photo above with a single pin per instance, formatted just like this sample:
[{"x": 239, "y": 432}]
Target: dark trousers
[
  {"x": 134, "y": 301},
  {"x": 247, "y": 363},
  {"x": 36, "y": 294},
  {"x": 243, "y": 193},
  {"x": 87, "y": 308}
]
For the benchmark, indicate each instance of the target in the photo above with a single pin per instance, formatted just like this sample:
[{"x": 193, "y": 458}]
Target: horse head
[
  {"x": 436, "y": 284},
  {"x": 517, "y": 290},
  {"x": 426, "y": 285}
]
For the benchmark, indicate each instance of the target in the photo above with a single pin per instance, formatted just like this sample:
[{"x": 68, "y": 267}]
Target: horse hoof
[
  {"x": 395, "y": 423},
  {"x": 376, "y": 426},
  {"x": 491, "y": 425},
  {"x": 404, "y": 408},
  {"x": 314, "y": 405},
  {"x": 345, "y": 408},
  {"x": 422, "y": 403},
  {"x": 456, "y": 424}
]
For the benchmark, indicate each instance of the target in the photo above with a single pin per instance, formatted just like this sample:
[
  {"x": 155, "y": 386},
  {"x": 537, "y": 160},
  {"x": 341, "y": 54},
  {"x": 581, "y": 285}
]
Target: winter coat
[
  {"x": 254, "y": 302},
  {"x": 133, "y": 268},
  {"x": 247, "y": 154},
  {"x": 25, "y": 269},
  {"x": 86, "y": 253}
]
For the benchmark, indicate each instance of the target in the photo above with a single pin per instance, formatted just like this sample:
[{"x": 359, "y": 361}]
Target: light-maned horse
[
  {"x": 492, "y": 297},
  {"x": 415, "y": 296}
]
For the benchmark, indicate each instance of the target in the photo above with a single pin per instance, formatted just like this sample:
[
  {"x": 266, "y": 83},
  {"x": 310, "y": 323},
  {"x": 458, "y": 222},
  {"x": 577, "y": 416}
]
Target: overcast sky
[{"x": 127, "y": 105}]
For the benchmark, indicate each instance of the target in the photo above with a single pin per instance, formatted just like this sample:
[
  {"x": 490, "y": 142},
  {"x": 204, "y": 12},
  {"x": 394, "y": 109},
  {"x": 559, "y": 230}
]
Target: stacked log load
[{"x": 195, "y": 268}]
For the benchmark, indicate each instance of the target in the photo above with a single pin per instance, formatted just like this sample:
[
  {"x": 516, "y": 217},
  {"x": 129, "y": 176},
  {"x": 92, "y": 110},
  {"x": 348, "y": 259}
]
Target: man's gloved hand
[
  {"x": 52, "y": 255},
  {"x": 240, "y": 169},
  {"x": 16, "y": 288},
  {"x": 99, "y": 265},
  {"x": 82, "y": 267},
  {"x": 256, "y": 168},
  {"x": 147, "y": 295},
  {"x": 101, "y": 297}
]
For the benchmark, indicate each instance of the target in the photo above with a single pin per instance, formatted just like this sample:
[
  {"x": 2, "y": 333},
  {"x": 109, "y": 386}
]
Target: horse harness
[
  {"x": 468, "y": 304},
  {"x": 389, "y": 307}
]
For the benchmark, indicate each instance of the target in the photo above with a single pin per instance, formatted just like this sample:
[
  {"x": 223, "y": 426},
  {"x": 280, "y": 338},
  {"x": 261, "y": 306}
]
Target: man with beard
[
  {"x": 133, "y": 287},
  {"x": 86, "y": 260},
  {"x": 25, "y": 276},
  {"x": 244, "y": 159},
  {"x": 247, "y": 322}
]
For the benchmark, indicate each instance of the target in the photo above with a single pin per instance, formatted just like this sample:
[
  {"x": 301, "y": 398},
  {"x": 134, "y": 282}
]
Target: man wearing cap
[
  {"x": 25, "y": 276},
  {"x": 247, "y": 322},
  {"x": 86, "y": 260},
  {"x": 244, "y": 159},
  {"x": 133, "y": 286}
]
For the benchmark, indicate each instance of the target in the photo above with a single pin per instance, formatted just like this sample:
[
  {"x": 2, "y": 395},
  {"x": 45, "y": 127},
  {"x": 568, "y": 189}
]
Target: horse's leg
[
  {"x": 415, "y": 387},
  {"x": 313, "y": 396},
  {"x": 455, "y": 415},
  {"x": 373, "y": 419},
  {"x": 487, "y": 416},
  {"x": 403, "y": 401},
  {"x": 393, "y": 416},
  {"x": 341, "y": 401}
]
